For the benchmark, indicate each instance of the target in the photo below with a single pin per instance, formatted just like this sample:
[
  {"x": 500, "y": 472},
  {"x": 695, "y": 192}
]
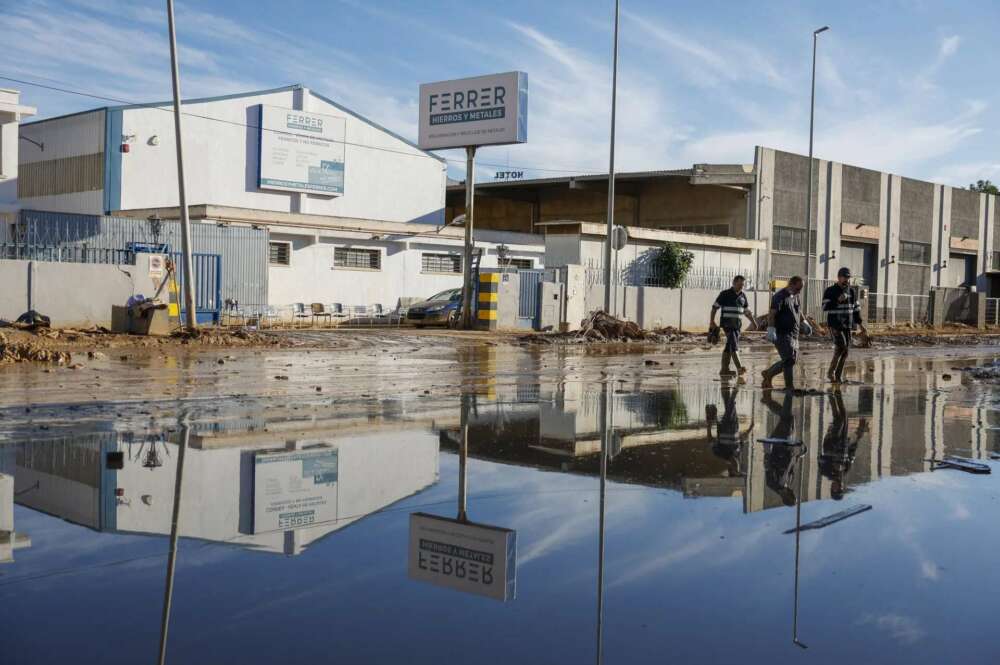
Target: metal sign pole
[
  {"x": 611, "y": 171},
  {"x": 467, "y": 286},
  {"x": 192, "y": 322}
]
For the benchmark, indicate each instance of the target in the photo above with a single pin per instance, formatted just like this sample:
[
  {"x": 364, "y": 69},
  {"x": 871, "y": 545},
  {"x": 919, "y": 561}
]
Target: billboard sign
[
  {"x": 300, "y": 151},
  {"x": 294, "y": 489},
  {"x": 483, "y": 110},
  {"x": 464, "y": 556}
]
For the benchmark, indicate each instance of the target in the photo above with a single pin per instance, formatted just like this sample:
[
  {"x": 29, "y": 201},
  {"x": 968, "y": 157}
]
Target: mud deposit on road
[{"x": 306, "y": 465}]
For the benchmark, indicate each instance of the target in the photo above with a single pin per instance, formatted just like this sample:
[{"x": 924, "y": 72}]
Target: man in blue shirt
[{"x": 784, "y": 320}]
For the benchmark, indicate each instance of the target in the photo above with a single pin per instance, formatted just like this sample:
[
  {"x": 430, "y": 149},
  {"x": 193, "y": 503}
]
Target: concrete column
[
  {"x": 300, "y": 102},
  {"x": 987, "y": 206},
  {"x": 834, "y": 209},
  {"x": 765, "y": 206},
  {"x": 893, "y": 222},
  {"x": 821, "y": 220},
  {"x": 944, "y": 245}
]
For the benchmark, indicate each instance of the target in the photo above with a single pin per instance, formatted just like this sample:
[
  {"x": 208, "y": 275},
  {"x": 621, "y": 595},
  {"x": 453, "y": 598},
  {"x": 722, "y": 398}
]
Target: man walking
[
  {"x": 843, "y": 315},
  {"x": 784, "y": 320},
  {"x": 733, "y": 303}
]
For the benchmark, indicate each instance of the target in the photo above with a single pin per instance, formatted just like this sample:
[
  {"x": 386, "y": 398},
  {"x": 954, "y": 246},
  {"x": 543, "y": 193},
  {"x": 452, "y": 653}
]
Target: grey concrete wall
[
  {"x": 655, "y": 307},
  {"x": 964, "y": 214},
  {"x": 786, "y": 264},
  {"x": 791, "y": 174},
  {"x": 916, "y": 212},
  {"x": 71, "y": 294},
  {"x": 861, "y": 192},
  {"x": 914, "y": 279}
]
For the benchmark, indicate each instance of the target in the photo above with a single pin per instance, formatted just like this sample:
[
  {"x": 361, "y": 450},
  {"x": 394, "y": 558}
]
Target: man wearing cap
[
  {"x": 843, "y": 315},
  {"x": 733, "y": 303}
]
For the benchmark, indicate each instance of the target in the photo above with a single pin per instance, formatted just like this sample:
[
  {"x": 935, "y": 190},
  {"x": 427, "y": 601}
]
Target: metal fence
[
  {"x": 69, "y": 254},
  {"x": 993, "y": 311},
  {"x": 894, "y": 309},
  {"x": 243, "y": 248},
  {"x": 641, "y": 273}
]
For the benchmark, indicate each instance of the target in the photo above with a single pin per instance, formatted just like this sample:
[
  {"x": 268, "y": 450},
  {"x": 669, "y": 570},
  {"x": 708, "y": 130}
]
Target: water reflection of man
[
  {"x": 838, "y": 451},
  {"x": 779, "y": 459},
  {"x": 728, "y": 440}
]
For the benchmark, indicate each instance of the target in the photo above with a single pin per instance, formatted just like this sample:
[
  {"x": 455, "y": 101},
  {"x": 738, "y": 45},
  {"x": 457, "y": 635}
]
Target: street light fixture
[{"x": 809, "y": 206}]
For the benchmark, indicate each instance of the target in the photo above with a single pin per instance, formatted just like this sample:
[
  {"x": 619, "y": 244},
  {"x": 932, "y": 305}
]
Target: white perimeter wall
[
  {"x": 723, "y": 258},
  {"x": 220, "y": 153}
]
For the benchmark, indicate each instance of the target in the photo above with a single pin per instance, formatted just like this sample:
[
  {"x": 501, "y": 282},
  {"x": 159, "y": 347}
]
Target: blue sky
[{"x": 902, "y": 85}]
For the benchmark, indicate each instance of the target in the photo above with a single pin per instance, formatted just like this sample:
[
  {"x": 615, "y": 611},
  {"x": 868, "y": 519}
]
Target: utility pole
[
  {"x": 470, "y": 200},
  {"x": 190, "y": 314},
  {"x": 809, "y": 186},
  {"x": 611, "y": 171}
]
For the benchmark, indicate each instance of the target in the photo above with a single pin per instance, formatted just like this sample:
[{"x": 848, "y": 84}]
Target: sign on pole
[
  {"x": 468, "y": 557},
  {"x": 477, "y": 111}
]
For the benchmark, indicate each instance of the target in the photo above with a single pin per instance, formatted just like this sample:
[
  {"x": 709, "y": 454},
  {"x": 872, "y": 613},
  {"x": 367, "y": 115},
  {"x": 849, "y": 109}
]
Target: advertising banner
[
  {"x": 301, "y": 151},
  {"x": 483, "y": 110},
  {"x": 294, "y": 489},
  {"x": 464, "y": 556}
]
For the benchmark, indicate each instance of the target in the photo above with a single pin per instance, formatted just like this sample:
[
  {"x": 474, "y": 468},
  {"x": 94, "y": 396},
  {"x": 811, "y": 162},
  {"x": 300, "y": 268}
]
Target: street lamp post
[
  {"x": 611, "y": 172},
  {"x": 809, "y": 186}
]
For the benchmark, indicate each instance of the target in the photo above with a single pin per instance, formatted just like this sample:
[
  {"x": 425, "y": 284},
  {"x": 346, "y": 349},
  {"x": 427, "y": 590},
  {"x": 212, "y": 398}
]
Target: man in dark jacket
[
  {"x": 784, "y": 320},
  {"x": 734, "y": 306},
  {"x": 843, "y": 315}
]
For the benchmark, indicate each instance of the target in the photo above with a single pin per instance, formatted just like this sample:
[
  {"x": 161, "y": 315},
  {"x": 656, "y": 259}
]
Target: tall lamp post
[
  {"x": 809, "y": 186},
  {"x": 611, "y": 172}
]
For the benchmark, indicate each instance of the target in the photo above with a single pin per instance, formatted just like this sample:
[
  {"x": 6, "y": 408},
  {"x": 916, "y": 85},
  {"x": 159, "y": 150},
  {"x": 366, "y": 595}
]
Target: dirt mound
[
  {"x": 602, "y": 327},
  {"x": 12, "y": 352}
]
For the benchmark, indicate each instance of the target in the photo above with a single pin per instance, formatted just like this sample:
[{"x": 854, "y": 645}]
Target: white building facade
[
  {"x": 364, "y": 227},
  {"x": 12, "y": 112}
]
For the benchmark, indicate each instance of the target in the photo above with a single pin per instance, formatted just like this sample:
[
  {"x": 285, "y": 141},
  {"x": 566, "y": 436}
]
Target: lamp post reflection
[
  {"x": 606, "y": 433},
  {"x": 168, "y": 593}
]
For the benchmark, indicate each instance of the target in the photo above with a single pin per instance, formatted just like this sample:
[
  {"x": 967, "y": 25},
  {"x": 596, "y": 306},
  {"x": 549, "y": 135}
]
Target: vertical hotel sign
[
  {"x": 483, "y": 110},
  {"x": 300, "y": 151}
]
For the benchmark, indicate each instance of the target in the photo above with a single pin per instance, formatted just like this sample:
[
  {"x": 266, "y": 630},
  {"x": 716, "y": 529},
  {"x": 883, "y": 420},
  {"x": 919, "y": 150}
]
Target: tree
[
  {"x": 671, "y": 264},
  {"x": 984, "y": 187}
]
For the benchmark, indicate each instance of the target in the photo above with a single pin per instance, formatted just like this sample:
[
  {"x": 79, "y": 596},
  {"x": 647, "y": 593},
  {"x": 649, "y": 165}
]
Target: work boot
[
  {"x": 789, "y": 373},
  {"x": 831, "y": 373},
  {"x": 740, "y": 369},
  {"x": 766, "y": 377},
  {"x": 725, "y": 371}
]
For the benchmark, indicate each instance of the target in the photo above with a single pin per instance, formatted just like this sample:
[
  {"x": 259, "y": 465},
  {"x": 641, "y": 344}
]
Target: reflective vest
[{"x": 733, "y": 305}]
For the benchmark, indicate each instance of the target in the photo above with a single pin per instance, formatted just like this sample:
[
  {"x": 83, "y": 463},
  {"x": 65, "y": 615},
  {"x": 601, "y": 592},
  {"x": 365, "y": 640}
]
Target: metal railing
[
  {"x": 66, "y": 253},
  {"x": 993, "y": 311},
  {"x": 894, "y": 309},
  {"x": 640, "y": 273}
]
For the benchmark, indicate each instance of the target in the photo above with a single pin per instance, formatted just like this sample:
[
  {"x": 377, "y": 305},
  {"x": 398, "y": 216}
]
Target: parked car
[{"x": 438, "y": 310}]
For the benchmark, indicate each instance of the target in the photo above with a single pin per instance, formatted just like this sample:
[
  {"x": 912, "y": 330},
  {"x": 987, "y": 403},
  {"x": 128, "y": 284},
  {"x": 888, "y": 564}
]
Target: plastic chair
[
  {"x": 319, "y": 312},
  {"x": 299, "y": 312}
]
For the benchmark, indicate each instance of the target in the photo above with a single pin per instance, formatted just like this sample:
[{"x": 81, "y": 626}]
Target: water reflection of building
[
  {"x": 904, "y": 414},
  {"x": 124, "y": 483},
  {"x": 10, "y": 540}
]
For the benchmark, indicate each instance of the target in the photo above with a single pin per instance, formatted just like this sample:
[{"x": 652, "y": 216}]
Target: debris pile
[
  {"x": 989, "y": 372},
  {"x": 12, "y": 352},
  {"x": 224, "y": 337},
  {"x": 603, "y": 327}
]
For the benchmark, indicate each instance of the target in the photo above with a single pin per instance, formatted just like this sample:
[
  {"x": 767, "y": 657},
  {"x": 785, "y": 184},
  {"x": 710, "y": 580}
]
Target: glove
[
  {"x": 772, "y": 335},
  {"x": 807, "y": 328}
]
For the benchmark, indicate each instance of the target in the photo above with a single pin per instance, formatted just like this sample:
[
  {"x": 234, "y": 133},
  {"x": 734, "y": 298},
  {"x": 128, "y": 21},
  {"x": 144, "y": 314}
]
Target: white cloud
[
  {"x": 949, "y": 46},
  {"x": 903, "y": 629}
]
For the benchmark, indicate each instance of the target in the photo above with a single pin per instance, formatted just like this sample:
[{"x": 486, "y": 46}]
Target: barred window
[
  {"x": 521, "y": 264},
  {"x": 441, "y": 263},
  {"x": 279, "y": 253},
  {"x": 357, "y": 259},
  {"x": 915, "y": 252},
  {"x": 789, "y": 239}
]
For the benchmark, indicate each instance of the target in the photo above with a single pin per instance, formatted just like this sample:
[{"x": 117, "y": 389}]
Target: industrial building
[
  {"x": 364, "y": 229},
  {"x": 898, "y": 234},
  {"x": 12, "y": 112}
]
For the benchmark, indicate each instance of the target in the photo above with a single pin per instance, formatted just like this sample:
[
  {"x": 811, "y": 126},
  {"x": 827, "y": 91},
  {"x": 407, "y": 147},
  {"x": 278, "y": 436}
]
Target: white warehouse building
[{"x": 354, "y": 213}]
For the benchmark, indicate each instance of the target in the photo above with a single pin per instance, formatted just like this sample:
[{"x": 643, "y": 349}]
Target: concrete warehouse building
[
  {"x": 362, "y": 226},
  {"x": 899, "y": 234}
]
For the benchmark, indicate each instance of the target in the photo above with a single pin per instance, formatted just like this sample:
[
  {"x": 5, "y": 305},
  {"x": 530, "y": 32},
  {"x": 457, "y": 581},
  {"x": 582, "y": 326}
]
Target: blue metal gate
[
  {"x": 207, "y": 285},
  {"x": 529, "y": 303}
]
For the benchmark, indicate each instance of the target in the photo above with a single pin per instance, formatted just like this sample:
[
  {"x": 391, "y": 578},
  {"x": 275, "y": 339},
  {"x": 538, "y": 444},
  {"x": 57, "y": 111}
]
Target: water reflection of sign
[
  {"x": 468, "y": 557},
  {"x": 294, "y": 489},
  {"x": 301, "y": 152}
]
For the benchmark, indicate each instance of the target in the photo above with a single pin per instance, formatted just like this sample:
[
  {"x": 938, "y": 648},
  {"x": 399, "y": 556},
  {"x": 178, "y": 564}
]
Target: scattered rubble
[
  {"x": 12, "y": 352},
  {"x": 602, "y": 327},
  {"x": 989, "y": 372}
]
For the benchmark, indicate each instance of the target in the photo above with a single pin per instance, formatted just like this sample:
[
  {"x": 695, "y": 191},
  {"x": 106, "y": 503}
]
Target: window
[
  {"x": 357, "y": 259},
  {"x": 450, "y": 264},
  {"x": 521, "y": 264},
  {"x": 915, "y": 252},
  {"x": 279, "y": 253},
  {"x": 789, "y": 239},
  {"x": 996, "y": 260}
]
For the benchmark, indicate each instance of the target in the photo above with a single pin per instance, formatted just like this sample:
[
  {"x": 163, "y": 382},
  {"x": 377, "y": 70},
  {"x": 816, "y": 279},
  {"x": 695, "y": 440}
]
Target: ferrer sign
[
  {"x": 468, "y": 557},
  {"x": 484, "y": 110},
  {"x": 301, "y": 151}
]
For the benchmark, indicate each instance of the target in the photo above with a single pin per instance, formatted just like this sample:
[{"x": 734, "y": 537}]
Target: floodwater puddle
[{"x": 525, "y": 520}]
